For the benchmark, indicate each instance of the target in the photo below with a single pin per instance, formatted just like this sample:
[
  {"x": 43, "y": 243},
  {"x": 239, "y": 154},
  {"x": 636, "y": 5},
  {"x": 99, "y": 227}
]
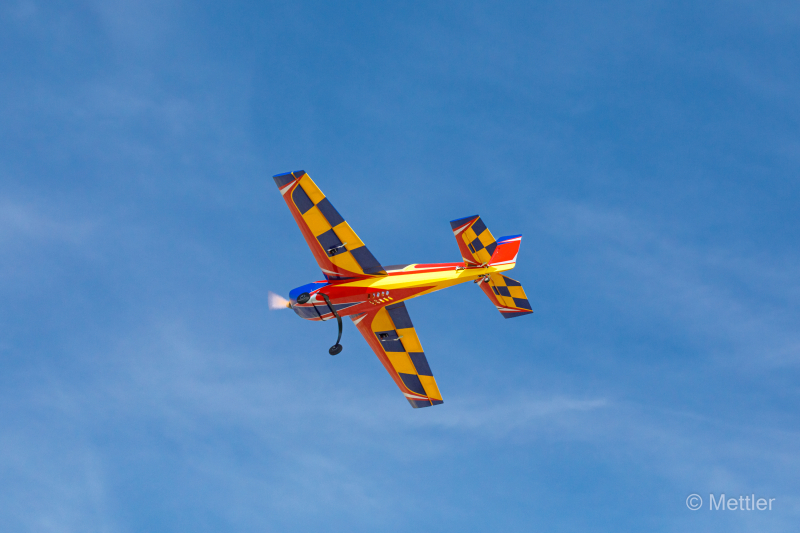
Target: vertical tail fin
[{"x": 506, "y": 251}]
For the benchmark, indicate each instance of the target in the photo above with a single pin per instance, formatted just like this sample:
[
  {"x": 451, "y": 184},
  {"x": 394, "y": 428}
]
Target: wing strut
[{"x": 336, "y": 348}]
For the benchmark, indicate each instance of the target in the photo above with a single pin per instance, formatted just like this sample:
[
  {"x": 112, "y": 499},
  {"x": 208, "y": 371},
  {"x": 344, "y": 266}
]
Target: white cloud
[{"x": 498, "y": 416}]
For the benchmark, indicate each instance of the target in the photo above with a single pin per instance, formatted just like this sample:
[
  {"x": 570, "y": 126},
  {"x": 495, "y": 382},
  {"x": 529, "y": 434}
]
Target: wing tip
[
  {"x": 416, "y": 404},
  {"x": 516, "y": 313}
]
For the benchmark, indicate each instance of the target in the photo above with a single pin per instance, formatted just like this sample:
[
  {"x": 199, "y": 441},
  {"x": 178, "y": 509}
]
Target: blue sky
[{"x": 647, "y": 151}]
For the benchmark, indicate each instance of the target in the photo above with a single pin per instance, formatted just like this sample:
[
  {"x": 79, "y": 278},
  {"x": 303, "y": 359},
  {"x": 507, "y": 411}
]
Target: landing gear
[
  {"x": 303, "y": 298},
  {"x": 336, "y": 348}
]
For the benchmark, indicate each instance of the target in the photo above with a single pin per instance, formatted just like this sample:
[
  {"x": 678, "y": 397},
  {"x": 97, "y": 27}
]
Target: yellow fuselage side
[
  {"x": 436, "y": 279},
  {"x": 365, "y": 294}
]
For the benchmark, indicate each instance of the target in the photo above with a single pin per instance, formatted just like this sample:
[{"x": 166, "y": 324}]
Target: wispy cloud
[
  {"x": 511, "y": 414},
  {"x": 146, "y": 387},
  {"x": 714, "y": 293},
  {"x": 34, "y": 225}
]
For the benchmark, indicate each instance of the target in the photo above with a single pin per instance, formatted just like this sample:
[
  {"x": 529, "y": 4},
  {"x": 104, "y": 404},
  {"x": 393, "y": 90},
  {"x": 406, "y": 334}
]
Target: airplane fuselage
[{"x": 402, "y": 282}]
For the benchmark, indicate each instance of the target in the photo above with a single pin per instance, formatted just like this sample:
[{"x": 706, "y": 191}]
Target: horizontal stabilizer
[
  {"x": 474, "y": 239},
  {"x": 507, "y": 295}
]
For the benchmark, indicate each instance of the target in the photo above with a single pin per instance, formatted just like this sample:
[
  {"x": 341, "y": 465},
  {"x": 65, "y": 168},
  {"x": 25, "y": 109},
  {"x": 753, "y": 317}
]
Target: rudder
[{"x": 506, "y": 251}]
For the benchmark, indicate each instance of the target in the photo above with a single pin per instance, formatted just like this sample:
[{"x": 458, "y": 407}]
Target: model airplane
[{"x": 372, "y": 295}]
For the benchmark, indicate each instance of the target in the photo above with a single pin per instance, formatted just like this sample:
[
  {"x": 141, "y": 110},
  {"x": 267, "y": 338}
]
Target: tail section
[
  {"x": 507, "y": 295},
  {"x": 478, "y": 247},
  {"x": 506, "y": 251}
]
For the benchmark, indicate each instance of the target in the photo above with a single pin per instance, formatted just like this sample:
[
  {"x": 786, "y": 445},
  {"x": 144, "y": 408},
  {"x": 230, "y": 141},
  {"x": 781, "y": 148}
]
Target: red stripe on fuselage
[{"x": 341, "y": 292}]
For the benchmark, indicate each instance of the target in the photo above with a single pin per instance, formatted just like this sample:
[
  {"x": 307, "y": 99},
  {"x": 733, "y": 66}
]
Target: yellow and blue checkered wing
[
  {"x": 336, "y": 247},
  {"x": 391, "y": 335}
]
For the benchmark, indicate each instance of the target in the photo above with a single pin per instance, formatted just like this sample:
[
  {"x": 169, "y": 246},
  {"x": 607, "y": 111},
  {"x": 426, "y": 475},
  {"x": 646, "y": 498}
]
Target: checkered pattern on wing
[
  {"x": 474, "y": 240},
  {"x": 339, "y": 243},
  {"x": 393, "y": 328},
  {"x": 509, "y": 295}
]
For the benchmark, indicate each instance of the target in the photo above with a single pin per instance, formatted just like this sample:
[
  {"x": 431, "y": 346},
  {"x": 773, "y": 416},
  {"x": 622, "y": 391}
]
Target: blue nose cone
[{"x": 294, "y": 293}]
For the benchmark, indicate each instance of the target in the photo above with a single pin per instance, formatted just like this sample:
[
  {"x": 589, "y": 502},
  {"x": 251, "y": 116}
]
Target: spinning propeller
[{"x": 279, "y": 302}]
